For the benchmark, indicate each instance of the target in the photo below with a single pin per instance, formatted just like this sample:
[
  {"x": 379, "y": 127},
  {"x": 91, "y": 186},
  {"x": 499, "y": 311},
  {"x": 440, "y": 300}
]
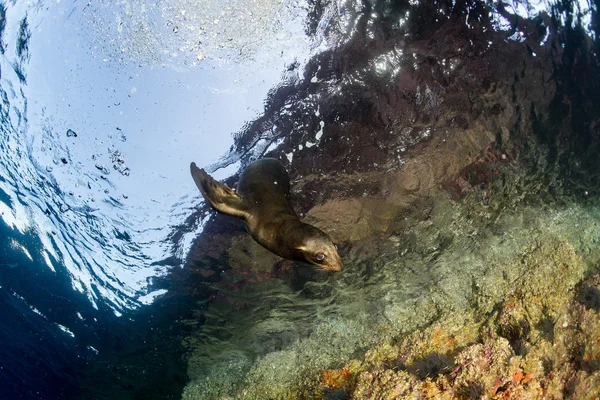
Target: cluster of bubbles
[
  {"x": 117, "y": 159},
  {"x": 185, "y": 33}
]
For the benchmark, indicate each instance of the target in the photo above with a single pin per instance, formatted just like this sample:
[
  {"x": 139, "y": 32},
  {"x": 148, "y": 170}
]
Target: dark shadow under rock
[
  {"x": 339, "y": 394},
  {"x": 432, "y": 365},
  {"x": 590, "y": 297}
]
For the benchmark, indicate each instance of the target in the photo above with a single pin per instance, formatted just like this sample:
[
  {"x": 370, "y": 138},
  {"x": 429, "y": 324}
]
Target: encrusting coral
[{"x": 541, "y": 342}]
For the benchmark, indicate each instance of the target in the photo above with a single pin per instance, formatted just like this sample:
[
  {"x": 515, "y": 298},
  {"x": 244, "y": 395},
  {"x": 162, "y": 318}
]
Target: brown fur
[{"x": 262, "y": 201}]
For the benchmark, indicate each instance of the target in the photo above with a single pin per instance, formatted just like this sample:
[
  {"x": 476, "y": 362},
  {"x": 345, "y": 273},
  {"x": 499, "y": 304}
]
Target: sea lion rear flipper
[{"x": 220, "y": 197}]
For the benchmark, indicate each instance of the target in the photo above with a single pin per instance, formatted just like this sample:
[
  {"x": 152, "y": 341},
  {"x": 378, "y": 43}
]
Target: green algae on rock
[
  {"x": 498, "y": 291},
  {"x": 553, "y": 360}
]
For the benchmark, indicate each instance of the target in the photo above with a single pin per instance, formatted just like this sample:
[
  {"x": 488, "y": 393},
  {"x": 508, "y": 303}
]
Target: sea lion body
[{"x": 263, "y": 202}]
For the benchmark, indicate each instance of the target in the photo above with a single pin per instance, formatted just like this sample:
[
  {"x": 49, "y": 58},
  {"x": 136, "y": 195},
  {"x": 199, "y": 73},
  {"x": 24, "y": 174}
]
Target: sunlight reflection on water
[{"x": 103, "y": 123}]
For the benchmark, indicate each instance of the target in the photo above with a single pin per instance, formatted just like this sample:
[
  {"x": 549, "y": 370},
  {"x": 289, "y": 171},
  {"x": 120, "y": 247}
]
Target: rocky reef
[
  {"x": 455, "y": 305},
  {"x": 540, "y": 340}
]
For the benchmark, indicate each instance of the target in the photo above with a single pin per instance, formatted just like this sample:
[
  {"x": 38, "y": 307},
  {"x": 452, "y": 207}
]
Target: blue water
[
  {"x": 83, "y": 247},
  {"x": 53, "y": 334},
  {"x": 40, "y": 359}
]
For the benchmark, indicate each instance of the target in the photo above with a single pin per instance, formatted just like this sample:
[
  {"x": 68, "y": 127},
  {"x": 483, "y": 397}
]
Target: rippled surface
[{"x": 99, "y": 125}]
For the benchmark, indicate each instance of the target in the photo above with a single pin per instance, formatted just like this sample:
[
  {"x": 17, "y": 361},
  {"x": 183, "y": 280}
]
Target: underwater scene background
[{"x": 450, "y": 148}]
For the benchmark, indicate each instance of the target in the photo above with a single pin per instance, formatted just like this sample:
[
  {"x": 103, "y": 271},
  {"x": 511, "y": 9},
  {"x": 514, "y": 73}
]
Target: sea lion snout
[
  {"x": 336, "y": 265},
  {"x": 318, "y": 249},
  {"x": 333, "y": 261}
]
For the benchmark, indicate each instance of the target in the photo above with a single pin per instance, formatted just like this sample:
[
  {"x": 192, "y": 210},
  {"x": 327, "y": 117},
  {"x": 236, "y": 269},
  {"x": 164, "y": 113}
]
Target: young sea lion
[{"x": 262, "y": 201}]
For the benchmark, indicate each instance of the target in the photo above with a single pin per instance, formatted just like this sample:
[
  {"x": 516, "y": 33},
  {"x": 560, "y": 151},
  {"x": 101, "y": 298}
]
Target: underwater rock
[
  {"x": 506, "y": 299},
  {"x": 558, "y": 358}
]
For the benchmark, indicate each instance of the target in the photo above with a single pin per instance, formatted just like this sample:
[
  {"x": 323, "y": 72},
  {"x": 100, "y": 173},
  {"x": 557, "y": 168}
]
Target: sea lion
[{"x": 262, "y": 201}]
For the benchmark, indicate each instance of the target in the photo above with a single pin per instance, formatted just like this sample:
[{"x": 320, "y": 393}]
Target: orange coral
[
  {"x": 444, "y": 340},
  {"x": 518, "y": 377},
  {"x": 336, "y": 378}
]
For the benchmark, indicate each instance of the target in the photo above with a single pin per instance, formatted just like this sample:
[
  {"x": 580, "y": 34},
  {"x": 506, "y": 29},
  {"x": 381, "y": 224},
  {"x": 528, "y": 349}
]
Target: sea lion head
[{"x": 318, "y": 249}]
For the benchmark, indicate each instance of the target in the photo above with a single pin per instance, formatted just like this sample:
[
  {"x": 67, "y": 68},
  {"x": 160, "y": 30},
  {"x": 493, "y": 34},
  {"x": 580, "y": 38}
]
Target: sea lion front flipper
[{"x": 220, "y": 197}]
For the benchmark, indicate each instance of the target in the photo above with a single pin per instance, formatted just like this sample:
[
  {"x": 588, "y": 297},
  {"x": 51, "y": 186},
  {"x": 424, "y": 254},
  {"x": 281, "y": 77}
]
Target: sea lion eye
[{"x": 320, "y": 256}]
